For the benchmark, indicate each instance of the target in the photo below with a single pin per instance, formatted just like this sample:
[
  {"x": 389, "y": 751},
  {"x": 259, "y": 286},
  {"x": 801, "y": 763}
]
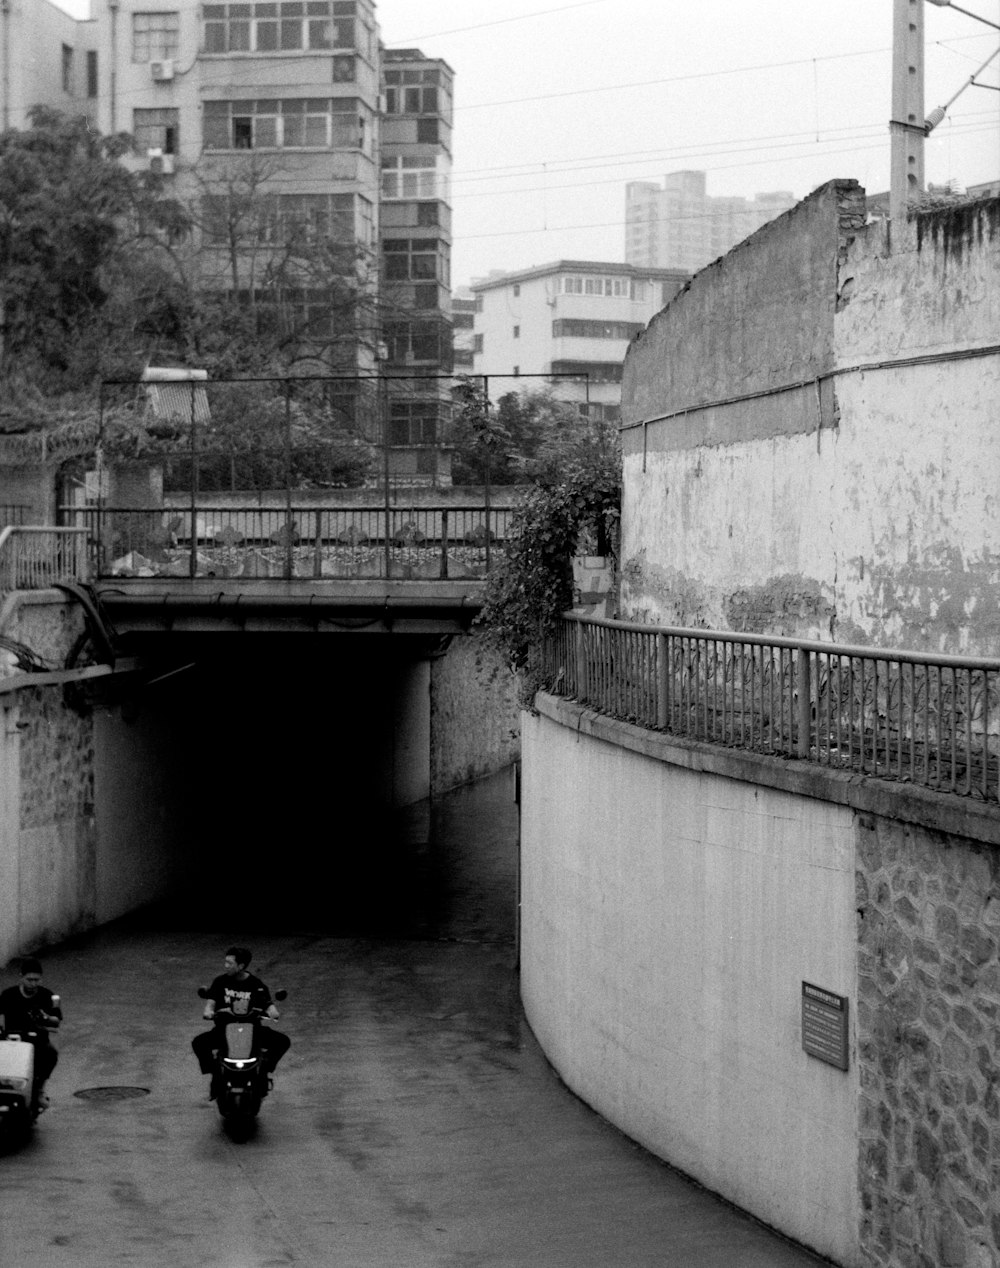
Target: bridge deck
[{"x": 159, "y": 605}]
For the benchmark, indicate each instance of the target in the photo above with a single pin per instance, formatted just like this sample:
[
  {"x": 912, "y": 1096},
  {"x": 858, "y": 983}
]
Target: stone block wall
[
  {"x": 928, "y": 1042},
  {"x": 475, "y": 714}
]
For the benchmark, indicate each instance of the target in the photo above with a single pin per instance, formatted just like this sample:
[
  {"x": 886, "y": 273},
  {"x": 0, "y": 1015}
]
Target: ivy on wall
[{"x": 573, "y": 509}]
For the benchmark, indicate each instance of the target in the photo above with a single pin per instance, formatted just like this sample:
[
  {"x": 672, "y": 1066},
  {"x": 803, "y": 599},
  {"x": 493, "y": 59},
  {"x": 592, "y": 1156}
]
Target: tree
[
  {"x": 69, "y": 215},
  {"x": 573, "y": 507},
  {"x": 523, "y": 435}
]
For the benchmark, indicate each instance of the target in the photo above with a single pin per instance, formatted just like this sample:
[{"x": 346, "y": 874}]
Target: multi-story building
[
  {"x": 679, "y": 226},
  {"x": 282, "y": 120},
  {"x": 46, "y": 58},
  {"x": 416, "y": 261},
  {"x": 463, "y": 321},
  {"x": 570, "y": 322}
]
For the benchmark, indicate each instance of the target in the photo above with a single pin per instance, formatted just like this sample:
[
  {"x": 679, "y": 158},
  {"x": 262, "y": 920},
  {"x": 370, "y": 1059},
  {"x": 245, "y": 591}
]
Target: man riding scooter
[
  {"x": 32, "y": 1012},
  {"x": 238, "y": 992}
]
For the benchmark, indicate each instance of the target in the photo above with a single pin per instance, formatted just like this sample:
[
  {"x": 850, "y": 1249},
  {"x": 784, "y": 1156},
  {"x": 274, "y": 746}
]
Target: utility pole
[{"x": 907, "y": 126}]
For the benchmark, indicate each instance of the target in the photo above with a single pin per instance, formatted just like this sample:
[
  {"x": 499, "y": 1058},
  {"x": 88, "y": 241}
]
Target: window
[
  {"x": 67, "y": 68},
  {"x": 595, "y": 371},
  {"x": 590, "y": 285},
  {"x": 574, "y": 328},
  {"x": 155, "y": 36},
  {"x": 479, "y": 303},
  {"x": 415, "y": 259},
  {"x": 413, "y": 91},
  {"x": 427, "y": 131},
  {"x": 280, "y": 27},
  {"x": 414, "y": 422},
  {"x": 517, "y": 289},
  {"x": 298, "y": 123},
  {"x": 517, "y": 371},
  {"x": 344, "y": 71},
  {"x": 477, "y": 343},
  {"x": 410, "y": 341},
  {"x": 416, "y": 176},
  {"x": 280, "y": 219},
  {"x": 429, "y": 215},
  {"x": 517, "y": 332},
  {"x": 156, "y": 130},
  {"x": 91, "y": 73}
]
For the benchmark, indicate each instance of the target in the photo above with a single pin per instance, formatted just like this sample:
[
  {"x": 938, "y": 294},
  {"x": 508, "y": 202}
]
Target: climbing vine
[{"x": 573, "y": 509}]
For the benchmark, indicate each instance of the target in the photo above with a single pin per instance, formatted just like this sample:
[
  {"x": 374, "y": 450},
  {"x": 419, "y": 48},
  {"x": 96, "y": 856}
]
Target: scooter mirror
[
  {"x": 203, "y": 992},
  {"x": 279, "y": 995}
]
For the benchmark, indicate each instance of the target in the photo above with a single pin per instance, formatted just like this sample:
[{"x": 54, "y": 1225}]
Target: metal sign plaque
[{"x": 824, "y": 1025}]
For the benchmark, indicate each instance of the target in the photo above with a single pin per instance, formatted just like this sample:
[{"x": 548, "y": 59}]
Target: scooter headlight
[{"x": 12, "y": 1085}]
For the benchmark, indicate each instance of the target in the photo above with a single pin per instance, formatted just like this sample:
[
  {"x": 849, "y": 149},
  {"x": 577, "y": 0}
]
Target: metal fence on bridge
[
  {"x": 303, "y": 476},
  {"x": 36, "y": 558},
  {"x": 928, "y": 720},
  {"x": 415, "y": 542}
]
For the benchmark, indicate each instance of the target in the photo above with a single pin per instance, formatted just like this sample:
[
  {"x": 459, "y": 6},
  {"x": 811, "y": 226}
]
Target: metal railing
[
  {"x": 13, "y": 514},
  {"x": 419, "y": 543},
  {"x": 36, "y": 558},
  {"x": 906, "y": 716}
]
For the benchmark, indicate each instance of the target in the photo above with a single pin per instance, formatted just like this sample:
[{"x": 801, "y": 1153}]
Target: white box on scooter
[{"x": 17, "y": 1059}]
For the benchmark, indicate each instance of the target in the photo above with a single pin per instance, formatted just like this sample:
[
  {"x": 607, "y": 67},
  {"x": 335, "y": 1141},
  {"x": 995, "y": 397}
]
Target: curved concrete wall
[{"x": 669, "y": 918}]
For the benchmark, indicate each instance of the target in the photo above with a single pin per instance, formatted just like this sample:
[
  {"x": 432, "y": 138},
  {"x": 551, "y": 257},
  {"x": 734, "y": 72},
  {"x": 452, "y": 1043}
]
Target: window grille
[{"x": 155, "y": 36}]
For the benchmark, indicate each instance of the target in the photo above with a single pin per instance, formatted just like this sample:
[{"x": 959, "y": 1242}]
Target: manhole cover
[{"x": 111, "y": 1093}]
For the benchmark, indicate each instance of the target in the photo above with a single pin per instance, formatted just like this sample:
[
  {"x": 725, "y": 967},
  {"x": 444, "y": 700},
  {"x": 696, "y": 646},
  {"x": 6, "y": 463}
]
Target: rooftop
[{"x": 496, "y": 280}]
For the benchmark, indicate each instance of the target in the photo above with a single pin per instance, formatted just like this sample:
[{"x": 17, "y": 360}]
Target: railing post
[
  {"x": 318, "y": 546},
  {"x": 581, "y": 662},
  {"x": 662, "y": 682},
  {"x": 444, "y": 544},
  {"x": 803, "y": 711}
]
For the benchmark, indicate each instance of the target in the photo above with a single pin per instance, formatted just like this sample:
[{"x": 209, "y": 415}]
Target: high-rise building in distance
[{"x": 679, "y": 226}]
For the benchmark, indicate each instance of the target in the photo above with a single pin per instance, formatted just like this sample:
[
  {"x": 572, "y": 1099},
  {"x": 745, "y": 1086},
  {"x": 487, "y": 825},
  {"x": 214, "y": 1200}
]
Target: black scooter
[{"x": 240, "y": 1080}]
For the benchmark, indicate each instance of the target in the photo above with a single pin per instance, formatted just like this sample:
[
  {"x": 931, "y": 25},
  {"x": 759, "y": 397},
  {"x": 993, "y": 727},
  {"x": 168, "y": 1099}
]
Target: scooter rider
[
  {"x": 239, "y": 991},
  {"x": 30, "y": 1008}
]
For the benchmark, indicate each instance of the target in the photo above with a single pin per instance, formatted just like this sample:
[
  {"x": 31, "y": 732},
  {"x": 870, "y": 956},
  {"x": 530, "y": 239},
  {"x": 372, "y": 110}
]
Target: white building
[
  {"x": 571, "y": 322},
  {"x": 680, "y": 226},
  {"x": 46, "y": 57}
]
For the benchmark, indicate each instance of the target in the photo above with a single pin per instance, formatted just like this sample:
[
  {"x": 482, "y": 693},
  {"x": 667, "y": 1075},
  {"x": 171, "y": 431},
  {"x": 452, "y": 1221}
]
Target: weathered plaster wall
[
  {"x": 917, "y": 457},
  {"x": 669, "y": 917},
  {"x": 858, "y": 506},
  {"x": 475, "y": 714}
]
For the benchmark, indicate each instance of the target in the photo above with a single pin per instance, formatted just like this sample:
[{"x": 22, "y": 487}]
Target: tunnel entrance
[{"x": 286, "y": 757}]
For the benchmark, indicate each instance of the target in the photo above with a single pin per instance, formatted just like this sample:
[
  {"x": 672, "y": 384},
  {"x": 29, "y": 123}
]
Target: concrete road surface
[{"x": 415, "y": 1123}]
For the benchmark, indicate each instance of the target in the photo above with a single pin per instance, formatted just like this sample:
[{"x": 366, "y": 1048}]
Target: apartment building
[
  {"x": 570, "y": 322},
  {"x": 46, "y": 58},
  {"x": 680, "y": 226},
  {"x": 295, "y": 107},
  {"x": 416, "y": 261},
  {"x": 463, "y": 321}
]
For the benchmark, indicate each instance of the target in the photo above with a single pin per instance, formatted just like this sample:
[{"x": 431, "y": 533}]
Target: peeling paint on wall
[{"x": 883, "y": 529}]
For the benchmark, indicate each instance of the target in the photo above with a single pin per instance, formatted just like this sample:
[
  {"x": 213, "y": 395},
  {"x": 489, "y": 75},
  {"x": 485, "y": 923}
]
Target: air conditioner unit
[
  {"x": 160, "y": 163},
  {"x": 162, "y": 72}
]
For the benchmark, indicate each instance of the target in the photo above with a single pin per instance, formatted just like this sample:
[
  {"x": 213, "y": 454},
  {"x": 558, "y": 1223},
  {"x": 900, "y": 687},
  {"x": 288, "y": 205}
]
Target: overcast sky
[{"x": 560, "y": 103}]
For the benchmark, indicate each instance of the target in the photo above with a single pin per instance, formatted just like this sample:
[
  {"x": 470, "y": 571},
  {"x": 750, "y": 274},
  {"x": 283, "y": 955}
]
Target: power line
[
  {"x": 815, "y": 152},
  {"x": 610, "y": 224},
  {"x": 679, "y": 79},
  {"x": 521, "y": 17},
  {"x": 778, "y": 140}
]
